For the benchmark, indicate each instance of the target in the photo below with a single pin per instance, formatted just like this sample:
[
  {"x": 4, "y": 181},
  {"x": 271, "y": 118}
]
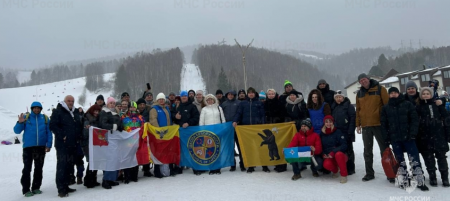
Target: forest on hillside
[{"x": 265, "y": 69}]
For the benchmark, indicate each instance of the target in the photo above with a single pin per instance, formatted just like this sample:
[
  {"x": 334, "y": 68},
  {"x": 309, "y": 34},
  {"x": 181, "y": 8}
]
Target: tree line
[
  {"x": 161, "y": 69},
  {"x": 265, "y": 69}
]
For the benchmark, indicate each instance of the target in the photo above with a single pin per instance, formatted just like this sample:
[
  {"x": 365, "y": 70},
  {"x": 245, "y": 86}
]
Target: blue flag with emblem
[{"x": 207, "y": 147}]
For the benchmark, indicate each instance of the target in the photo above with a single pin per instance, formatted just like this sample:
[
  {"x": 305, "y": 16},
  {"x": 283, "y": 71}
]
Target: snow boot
[
  {"x": 63, "y": 195},
  {"x": 343, "y": 180},
  {"x": 250, "y": 170},
  {"x": 444, "y": 177},
  {"x": 433, "y": 180},
  {"x": 243, "y": 169},
  {"x": 423, "y": 187},
  {"x": 266, "y": 169},
  {"x": 105, "y": 184},
  {"x": 335, "y": 175},
  {"x": 296, "y": 177},
  {"x": 79, "y": 180},
  {"x": 233, "y": 168},
  {"x": 70, "y": 190},
  {"x": 37, "y": 192},
  {"x": 28, "y": 194},
  {"x": 368, "y": 178},
  {"x": 315, "y": 174},
  {"x": 148, "y": 174}
]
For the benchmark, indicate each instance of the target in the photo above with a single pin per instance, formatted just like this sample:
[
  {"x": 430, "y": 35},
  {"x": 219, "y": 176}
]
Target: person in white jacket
[{"x": 211, "y": 114}]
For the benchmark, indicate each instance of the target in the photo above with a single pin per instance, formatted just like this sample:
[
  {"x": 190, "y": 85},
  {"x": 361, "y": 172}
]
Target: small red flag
[{"x": 99, "y": 137}]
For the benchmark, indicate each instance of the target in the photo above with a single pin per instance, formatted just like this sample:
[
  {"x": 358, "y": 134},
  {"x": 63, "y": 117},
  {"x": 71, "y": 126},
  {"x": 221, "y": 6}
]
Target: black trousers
[
  {"x": 64, "y": 166},
  {"x": 430, "y": 157},
  {"x": 131, "y": 174},
  {"x": 351, "y": 157},
  {"x": 30, "y": 155},
  {"x": 241, "y": 162}
]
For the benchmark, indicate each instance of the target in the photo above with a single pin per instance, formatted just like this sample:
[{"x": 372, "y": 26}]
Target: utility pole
[{"x": 243, "y": 60}]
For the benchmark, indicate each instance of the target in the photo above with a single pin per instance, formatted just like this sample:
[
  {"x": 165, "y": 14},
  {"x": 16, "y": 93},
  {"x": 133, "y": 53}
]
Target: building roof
[{"x": 390, "y": 80}]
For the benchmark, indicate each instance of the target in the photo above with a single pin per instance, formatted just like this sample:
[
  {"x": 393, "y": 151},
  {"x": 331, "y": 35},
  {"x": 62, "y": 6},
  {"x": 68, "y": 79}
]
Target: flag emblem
[
  {"x": 204, "y": 147},
  {"x": 99, "y": 137}
]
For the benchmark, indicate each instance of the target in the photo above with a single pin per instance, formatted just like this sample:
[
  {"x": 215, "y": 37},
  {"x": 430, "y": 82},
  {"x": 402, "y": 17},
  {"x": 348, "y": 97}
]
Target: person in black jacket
[
  {"x": 434, "y": 135},
  {"x": 334, "y": 147},
  {"x": 327, "y": 94},
  {"x": 220, "y": 97},
  {"x": 399, "y": 127},
  {"x": 344, "y": 113},
  {"x": 295, "y": 108},
  {"x": 67, "y": 127},
  {"x": 250, "y": 112},
  {"x": 412, "y": 94},
  {"x": 187, "y": 115},
  {"x": 91, "y": 118},
  {"x": 110, "y": 120},
  {"x": 273, "y": 109},
  {"x": 230, "y": 107}
]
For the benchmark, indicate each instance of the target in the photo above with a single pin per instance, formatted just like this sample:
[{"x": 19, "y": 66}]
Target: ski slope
[
  {"x": 237, "y": 185},
  {"x": 191, "y": 78},
  {"x": 18, "y": 100}
]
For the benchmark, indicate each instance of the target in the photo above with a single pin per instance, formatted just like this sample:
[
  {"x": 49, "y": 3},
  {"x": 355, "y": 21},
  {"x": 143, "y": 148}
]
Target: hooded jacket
[
  {"x": 328, "y": 95},
  {"x": 211, "y": 114},
  {"x": 302, "y": 139},
  {"x": 434, "y": 131},
  {"x": 66, "y": 123},
  {"x": 345, "y": 115},
  {"x": 109, "y": 119},
  {"x": 369, "y": 103},
  {"x": 36, "y": 131},
  {"x": 296, "y": 110},
  {"x": 399, "y": 120},
  {"x": 230, "y": 107}
]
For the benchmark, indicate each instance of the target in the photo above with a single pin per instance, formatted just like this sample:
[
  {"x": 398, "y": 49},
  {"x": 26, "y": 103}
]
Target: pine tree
[
  {"x": 120, "y": 83},
  {"x": 222, "y": 81}
]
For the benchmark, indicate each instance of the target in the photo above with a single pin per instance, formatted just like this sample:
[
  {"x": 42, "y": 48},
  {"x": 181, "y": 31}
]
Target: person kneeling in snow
[
  {"x": 399, "y": 126},
  {"x": 37, "y": 139},
  {"x": 306, "y": 137},
  {"x": 334, "y": 145}
]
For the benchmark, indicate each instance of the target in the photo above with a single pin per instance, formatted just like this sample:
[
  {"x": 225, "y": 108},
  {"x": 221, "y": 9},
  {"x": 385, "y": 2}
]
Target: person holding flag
[
  {"x": 210, "y": 115},
  {"x": 307, "y": 137}
]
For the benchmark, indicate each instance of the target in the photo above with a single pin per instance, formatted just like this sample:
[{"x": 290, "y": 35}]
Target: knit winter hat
[
  {"x": 307, "y": 122},
  {"x": 161, "y": 96},
  {"x": 251, "y": 90},
  {"x": 242, "y": 91},
  {"x": 426, "y": 89},
  {"x": 410, "y": 84},
  {"x": 287, "y": 82},
  {"x": 141, "y": 100},
  {"x": 191, "y": 91},
  {"x": 321, "y": 81},
  {"x": 148, "y": 93},
  {"x": 293, "y": 92},
  {"x": 393, "y": 89},
  {"x": 219, "y": 92},
  {"x": 262, "y": 95},
  {"x": 124, "y": 94},
  {"x": 199, "y": 92},
  {"x": 133, "y": 104},
  {"x": 362, "y": 75},
  {"x": 110, "y": 99},
  {"x": 184, "y": 93},
  {"x": 328, "y": 117},
  {"x": 100, "y": 97},
  {"x": 339, "y": 93},
  {"x": 172, "y": 94}
]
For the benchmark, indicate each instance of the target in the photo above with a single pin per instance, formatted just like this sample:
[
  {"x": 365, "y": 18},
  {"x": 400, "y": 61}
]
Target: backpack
[{"x": 45, "y": 117}]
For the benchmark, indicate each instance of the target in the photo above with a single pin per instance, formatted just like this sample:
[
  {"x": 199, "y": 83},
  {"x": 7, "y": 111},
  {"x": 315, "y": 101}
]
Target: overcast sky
[{"x": 35, "y": 33}]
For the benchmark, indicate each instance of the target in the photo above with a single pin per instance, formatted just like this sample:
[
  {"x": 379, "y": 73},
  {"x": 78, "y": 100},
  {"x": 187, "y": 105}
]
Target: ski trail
[{"x": 191, "y": 78}]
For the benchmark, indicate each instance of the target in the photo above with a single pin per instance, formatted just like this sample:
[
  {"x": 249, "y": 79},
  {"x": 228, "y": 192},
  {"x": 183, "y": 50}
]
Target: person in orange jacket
[{"x": 307, "y": 137}]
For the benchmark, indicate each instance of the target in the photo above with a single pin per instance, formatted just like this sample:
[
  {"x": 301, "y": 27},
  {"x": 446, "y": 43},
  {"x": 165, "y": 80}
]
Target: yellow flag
[{"x": 262, "y": 145}]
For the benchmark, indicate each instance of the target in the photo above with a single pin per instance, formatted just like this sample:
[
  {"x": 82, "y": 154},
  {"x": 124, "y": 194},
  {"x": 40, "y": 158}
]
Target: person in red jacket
[{"x": 306, "y": 137}]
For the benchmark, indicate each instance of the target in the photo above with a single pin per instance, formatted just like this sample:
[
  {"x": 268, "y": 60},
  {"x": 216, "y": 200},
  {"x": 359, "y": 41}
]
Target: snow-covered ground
[
  {"x": 14, "y": 101},
  {"x": 191, "y": 78},
  {"x": 237, "y": 185}
]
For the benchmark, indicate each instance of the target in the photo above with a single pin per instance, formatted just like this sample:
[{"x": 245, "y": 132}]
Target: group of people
[{"x": 413, "y": 122}]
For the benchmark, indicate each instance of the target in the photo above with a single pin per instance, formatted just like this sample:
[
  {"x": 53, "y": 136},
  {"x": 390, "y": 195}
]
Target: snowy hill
[
  {"x": 17, "y": 100},
  {"x": 23, "y": 76},
  {"x": 191, "y": 78}
]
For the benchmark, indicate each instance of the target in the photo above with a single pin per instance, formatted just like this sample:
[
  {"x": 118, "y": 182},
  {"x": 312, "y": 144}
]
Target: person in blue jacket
[{"x": 37, "y": 140}]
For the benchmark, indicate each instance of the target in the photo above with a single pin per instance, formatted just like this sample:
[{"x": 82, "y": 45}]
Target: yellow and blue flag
[{"x": 207, "y": 147}]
